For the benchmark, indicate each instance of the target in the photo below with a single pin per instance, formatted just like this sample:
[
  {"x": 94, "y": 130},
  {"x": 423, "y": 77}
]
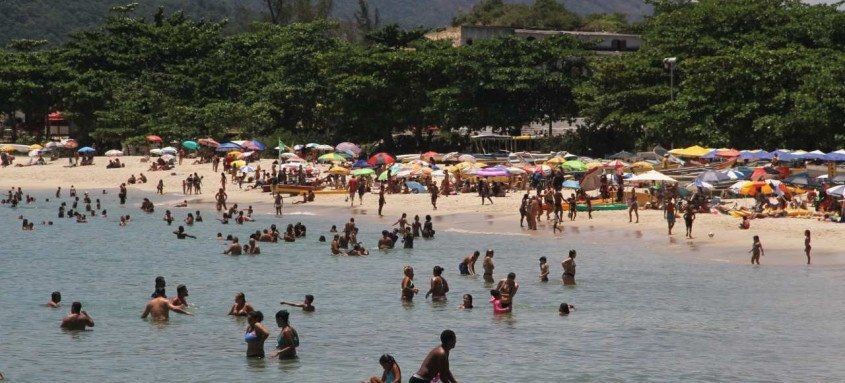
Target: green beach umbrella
[
  {"x": 574, "y": 165},
  {"x": 363, "y": 172},
  {"x": 383, "y": 175},
  {"x": 331, "y": 157},
  {"x": 190, "y": 145}
]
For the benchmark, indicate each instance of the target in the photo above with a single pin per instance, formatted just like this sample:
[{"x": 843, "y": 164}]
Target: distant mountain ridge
[{"x": 52, "y": 20}]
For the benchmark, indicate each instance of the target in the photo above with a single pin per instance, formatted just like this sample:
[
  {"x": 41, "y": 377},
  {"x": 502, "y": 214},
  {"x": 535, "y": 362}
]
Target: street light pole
[{"x": 669, "y": 63}]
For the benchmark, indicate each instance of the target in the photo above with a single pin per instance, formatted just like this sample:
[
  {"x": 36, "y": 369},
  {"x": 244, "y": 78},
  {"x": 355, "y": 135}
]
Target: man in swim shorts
[
  {"x": 467, "y": 265},
  {"x": 437, "y": 361}
]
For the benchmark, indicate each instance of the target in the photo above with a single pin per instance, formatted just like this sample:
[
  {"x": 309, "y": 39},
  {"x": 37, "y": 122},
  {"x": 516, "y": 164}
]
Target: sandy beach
[{"x": 782, "y": 238}]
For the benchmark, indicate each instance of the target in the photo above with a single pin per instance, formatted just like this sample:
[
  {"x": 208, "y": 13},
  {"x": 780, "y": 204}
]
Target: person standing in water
[
  {"x": 807, "y": 246},
  {"x": 159, "y": 307},
  {"x": 544, "y": 270},
  {"x": 408, "y": 289},
  {"x": 78, "y": 319},
  {"x": 488, "y": 267},
  {"x": 437, "y": 361},
  {"x": 467, "y": 265},
  {"x": 255, "y": 335},
  {"x": 288, "y": 339},
  {"x": 508, "y": 287},
  {"x": 568, "y": 265},
  {"x": 240, "y": 307},
  {"x": 756, "y": 250},
  {"x": 439, "y": 286}
]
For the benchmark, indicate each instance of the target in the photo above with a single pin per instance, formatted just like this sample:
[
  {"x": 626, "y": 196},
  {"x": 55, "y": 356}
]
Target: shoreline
[{"x": 782, "y": 238}]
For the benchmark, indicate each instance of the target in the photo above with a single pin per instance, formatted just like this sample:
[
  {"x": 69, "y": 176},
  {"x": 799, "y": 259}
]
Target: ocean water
[{"x": 642, "y": 313}]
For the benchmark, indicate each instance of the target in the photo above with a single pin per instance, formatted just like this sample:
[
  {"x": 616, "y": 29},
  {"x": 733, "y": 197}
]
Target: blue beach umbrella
[
  {"x": 571, "y": 184},
  {"x": 87, "y": 149},
  {"x": 360, "y": 164}
]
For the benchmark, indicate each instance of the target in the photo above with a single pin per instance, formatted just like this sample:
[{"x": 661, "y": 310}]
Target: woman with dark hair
[
  {"x": 439, "y": 286},
  {"x": 255, "y": 335},
  {"x": 288, "y": 339},
  {"x": 391, "y": 374}
]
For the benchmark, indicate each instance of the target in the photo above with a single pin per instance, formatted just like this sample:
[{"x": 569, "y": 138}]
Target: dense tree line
[{"x": 765, "y": 73}]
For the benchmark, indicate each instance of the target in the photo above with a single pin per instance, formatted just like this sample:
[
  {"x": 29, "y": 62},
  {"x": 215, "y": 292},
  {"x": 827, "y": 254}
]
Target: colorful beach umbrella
[
  {"x": 331, "y": 157},
  {"x": 428, "y": 155},
  {"x": 208, "y": 142},
  {"x": 491, "y": 172},
  {"x": 229, "y": 146},
  {"x": 466, "y": 158},
  {"x": 555, "y": 160},
  {"x": 360, "y": 164},
  {"x": 339, "y": 170},
  {"x": 381, "y": 159},
  {"x": 574, "y": 165},
  {"x": 363, "y": 172},
  {"x": 7, "y": 148},
  {"x": 348, "y": 146},
  {"x": 238, "y": 164},
  {"x": 383, "y": 175},
  {"x": 153, "y": 138},
  {"x": 190, "y": 145},
  {"x": 35, "y": 147}
]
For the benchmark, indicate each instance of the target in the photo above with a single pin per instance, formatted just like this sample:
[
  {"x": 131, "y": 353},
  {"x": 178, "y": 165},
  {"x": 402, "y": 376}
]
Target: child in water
[{"x": 496, "y": 300}]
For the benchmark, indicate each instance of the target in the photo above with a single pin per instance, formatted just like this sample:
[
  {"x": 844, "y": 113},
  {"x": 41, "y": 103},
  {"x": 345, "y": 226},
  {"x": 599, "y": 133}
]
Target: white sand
[{"x": 782, "y": 238}]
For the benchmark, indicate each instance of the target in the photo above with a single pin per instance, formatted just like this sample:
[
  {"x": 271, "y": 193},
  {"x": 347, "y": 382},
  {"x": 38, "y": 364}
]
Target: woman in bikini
[
  {"x": 288, "y": 339},
  {"x": 255, "y": 335},
  {"x": 408, "y": 289}
]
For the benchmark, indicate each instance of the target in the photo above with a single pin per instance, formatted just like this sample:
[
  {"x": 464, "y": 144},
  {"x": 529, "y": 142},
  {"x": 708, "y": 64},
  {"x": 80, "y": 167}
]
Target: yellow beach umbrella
[
  {"x": 641, "y": 166},
  {"x": 7, "y": 148},
  {"x": 234, "y": 153},
  {"x": 238, "y": 164},
  {"x": 35, "y": 147},
  {"x": 555, "y": 161},
  {"x": 339, "y": 170},
  {"x": 594, "y": 164}
]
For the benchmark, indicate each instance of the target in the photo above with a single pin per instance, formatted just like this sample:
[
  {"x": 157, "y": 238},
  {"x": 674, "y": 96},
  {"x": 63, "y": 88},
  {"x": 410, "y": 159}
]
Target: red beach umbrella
[
  {"x": 154, "y": 138},
  {"x": 381, "y": 159}
]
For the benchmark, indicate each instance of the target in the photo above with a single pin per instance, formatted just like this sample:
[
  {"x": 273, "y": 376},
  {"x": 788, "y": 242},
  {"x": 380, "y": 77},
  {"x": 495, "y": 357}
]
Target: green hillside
[{"x": 53, "y": 20}]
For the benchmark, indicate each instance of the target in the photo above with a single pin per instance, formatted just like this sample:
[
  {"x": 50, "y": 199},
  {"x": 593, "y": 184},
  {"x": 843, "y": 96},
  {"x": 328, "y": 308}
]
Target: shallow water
[{"x": 643, "y": 314}]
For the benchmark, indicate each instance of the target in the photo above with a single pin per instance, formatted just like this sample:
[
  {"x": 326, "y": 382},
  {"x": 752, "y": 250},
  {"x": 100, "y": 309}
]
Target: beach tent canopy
[
  {"x": 814, "y": 155},
  {"x": 753, "y": 155},
  {"x": 838, "y": 155},
  {"x": 692, "y": 151},
  {"x": 652, "y": 175}
]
